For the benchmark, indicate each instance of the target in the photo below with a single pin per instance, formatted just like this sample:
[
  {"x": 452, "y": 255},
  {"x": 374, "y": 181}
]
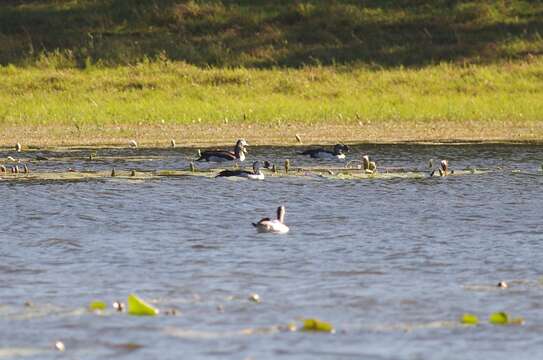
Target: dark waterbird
[
  {"x": 223, "y": 155},
  {"x": 338, "y": 152},
  {"x": 256, "y": 174}
]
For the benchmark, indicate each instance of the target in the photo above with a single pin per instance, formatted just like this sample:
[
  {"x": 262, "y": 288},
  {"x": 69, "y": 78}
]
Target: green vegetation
[
  {"x": 437, "y": 102},
  {"x": 469, "y": 319},
  {"x": 269, "y": 33},
  {"x": 137, "y": 306},
  {"x": 333, "y": 173},
  {"x": 97, "y": 305},
  {"x": 502, "y": 318},
  {"x": 317, "y": 325},
  {"x": 498, "y": 318},
  {"x": 104, "y": 71}
]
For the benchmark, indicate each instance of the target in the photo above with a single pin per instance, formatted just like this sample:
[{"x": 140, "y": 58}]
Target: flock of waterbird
[
  {"x": 15, "y": 168},
  {"x": 339, "y": 151},
  {"x": 277, "y": 225},
  {"x": 238, "y": 155}
]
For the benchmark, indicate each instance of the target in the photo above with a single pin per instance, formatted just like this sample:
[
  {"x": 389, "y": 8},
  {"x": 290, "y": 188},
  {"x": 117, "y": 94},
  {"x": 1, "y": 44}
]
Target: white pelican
[{"x": 276, "y": 226}]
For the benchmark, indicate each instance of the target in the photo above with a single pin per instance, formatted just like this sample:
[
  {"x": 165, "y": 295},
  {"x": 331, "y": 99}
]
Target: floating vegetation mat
[{"x": 133, "y": 175}]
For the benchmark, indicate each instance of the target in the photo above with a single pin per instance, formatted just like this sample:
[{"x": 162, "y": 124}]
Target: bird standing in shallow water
[
  {"x": 369, "y": 166},
  {"x": 223, "y": 155},
  {"x": 443, "y": 169},
  {"x": 276, "y": 226}
]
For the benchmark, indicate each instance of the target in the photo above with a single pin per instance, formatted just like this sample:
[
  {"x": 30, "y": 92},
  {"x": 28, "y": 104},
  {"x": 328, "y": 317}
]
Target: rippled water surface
[{"x": 391, "y": 263}]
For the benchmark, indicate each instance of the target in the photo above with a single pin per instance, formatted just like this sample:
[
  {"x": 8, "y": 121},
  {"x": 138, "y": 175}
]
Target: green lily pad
[
  {"x": 469, "y": 319},
  {"x": 499, "y": 318},
  {"x": 137, "y": 306},
  {"x": 317, "y": 325},
  {"x": 97, "y": 305}
]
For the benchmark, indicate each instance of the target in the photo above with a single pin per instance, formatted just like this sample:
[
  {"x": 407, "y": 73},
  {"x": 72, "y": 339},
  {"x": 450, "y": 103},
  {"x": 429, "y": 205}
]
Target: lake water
[{"x": 391, "y": 263}]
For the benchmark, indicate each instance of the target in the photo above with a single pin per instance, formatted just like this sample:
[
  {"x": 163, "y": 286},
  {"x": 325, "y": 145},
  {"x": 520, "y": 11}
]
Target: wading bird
[
  {"x": 369, "y": 166},
  {"x": 443, "y": 169}
]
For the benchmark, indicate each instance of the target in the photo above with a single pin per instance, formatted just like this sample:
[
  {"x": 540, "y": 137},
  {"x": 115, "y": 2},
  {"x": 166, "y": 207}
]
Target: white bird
[
  {"x": 276, "y": 226},
  {"x": 133, "y": 144},
  {"x": 443, "y": 169},
  {"x": 369, "y": 166}
]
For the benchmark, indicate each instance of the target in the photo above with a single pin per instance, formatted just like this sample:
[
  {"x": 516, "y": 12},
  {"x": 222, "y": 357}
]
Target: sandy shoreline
[{"x": 205, "y": 135}]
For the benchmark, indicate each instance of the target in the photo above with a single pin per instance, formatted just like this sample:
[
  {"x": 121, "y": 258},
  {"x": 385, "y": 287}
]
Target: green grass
[
  {"x": 171, "y": 92},
  {"x": 261, "y": 33},
  {"x": 96, "y": 71}
]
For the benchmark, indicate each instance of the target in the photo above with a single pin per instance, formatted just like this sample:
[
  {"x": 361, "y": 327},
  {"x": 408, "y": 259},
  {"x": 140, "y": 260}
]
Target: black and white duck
[
  {"x": 224, "y": 155},
  {"x": 338, "y": 152},
  {"x": 256, "y": 174}
]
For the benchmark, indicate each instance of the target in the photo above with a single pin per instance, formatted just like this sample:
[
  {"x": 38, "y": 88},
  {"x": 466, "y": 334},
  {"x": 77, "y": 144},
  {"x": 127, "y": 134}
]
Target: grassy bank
[
  {"x": 159, "y": 100},
  {"x": 260, "y": 33},
  {"x": 205, "y": 72}
]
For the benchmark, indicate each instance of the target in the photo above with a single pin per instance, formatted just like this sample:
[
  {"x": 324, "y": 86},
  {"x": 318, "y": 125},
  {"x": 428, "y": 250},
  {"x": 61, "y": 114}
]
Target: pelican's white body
[
  {"x": 272, "y": 226},
  {"x": 275, "y": 226}
]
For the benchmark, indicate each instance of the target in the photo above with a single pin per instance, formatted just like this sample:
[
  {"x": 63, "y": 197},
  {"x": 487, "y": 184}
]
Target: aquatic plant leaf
[
  {"x": 469, "y": 319},
  {"x": 97, "y": 305},
  {"x": 499, "y": 318},
  {"x": 317, "y": 325},
  {"x": 137, "y": 306}
]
